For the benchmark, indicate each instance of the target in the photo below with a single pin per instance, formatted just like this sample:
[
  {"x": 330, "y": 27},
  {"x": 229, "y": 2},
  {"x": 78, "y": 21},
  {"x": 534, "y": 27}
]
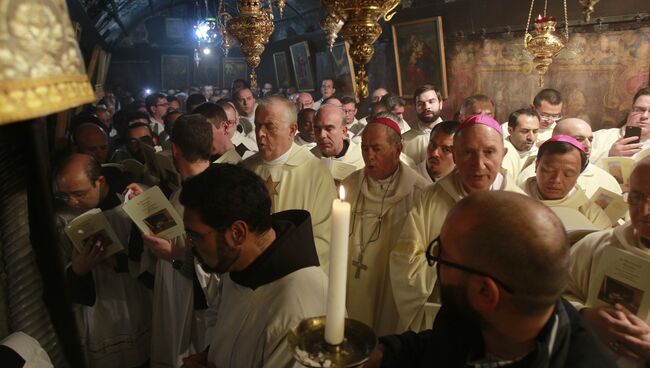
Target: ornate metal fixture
[
  {"x": 252, "y": 27},
  {"x": 545, "y": 44},
  {"x": 360, "y": 29},
  {"x": 332, "y": 26},
  {"x": 206, "y": 30},
  {"x": 588, "y": 8},
  {"x": 280, "y": 5},
  {"x": 227, "y": 40}
]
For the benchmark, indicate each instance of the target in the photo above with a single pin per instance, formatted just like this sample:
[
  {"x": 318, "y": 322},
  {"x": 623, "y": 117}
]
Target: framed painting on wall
[
  {"x": 174, "y": 71},
  {"x": 419, "y": 55},
  {"x": 234, "y": 68},
  {"x": 343, "y": 68},
  {"x": 302, "y": 66},
  {"x": 282, "y": 77}
]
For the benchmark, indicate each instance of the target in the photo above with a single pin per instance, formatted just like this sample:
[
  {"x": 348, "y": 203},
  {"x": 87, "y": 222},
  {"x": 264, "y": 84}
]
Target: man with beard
[
  {"x": 440, "y": 152},
  {"x": 428, "y": 106},
  {"x": 478, "y": 153},
  {"x": 501, "y": 295},
  {"x": 269, "y": 265}
]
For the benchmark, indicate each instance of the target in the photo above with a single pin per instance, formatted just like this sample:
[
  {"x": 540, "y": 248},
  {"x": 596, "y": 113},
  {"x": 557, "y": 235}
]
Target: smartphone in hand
[{"x": 631, "y": 131}]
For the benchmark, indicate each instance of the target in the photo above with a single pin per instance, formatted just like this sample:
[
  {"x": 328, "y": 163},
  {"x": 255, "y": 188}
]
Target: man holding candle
[
  {"x": 381, "y": 195},
  {"x": 478, "y": 153},
  {"x": 271, "y": 280},
  {"x": 501, "y": 295},
  {"x": 294, "y": 178}
]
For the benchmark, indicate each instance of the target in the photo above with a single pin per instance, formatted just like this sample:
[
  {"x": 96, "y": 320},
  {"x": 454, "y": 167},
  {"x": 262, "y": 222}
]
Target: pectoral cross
[{"x": 359, "y": 265}]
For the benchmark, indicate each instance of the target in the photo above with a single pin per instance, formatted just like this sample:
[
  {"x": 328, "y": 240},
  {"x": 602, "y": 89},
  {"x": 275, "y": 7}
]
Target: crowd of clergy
[{"x": 254, "y": 174}]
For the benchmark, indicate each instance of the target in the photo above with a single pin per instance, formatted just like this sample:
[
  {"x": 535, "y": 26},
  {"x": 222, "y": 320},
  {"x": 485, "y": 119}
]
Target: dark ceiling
[{"x": 115, "y": 20}]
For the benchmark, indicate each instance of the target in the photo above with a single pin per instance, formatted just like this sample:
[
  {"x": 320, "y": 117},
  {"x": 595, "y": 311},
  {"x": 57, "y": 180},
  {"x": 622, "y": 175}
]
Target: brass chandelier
[
  {"x": 545, "y": 43},
  {"x": 358, "y": 23},
  {"x": 252, "y": 28}
]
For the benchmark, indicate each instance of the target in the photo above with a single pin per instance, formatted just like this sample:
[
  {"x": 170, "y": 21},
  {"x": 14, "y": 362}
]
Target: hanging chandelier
[
  {"x": 252, "y": 28},
  {"x": 227, "y": 40},
  {"x": 358, "y": 23},
  {"x": 545, "y": 43}
]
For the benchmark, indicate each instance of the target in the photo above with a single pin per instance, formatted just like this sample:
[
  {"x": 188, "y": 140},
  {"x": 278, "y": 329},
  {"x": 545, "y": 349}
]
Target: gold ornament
[
  {"x": 332, "y": 26},
  {"x": 545, "y": 44},
  {"x": 280, "y": 5},
  {"x": 360, "y": 29},
  {"x": 252, "y": 28},
  {"x": 41, "y": 68},
  {"x": 588, "y": 8},
  {"x": 227, "y": 40}
]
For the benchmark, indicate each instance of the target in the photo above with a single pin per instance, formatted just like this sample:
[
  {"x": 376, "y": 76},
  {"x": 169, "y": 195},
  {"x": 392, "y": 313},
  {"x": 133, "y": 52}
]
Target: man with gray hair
[
  {"x": 294, "y": 178},
  {"x": 381, "y": 196}
]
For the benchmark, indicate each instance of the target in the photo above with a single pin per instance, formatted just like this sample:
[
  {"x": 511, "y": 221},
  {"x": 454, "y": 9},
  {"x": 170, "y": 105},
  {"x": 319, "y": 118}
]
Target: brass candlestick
[{"x": 308, "y": 345}]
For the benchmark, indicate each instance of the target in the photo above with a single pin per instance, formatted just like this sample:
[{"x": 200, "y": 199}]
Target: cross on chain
[{"x": 359, "y": 265}]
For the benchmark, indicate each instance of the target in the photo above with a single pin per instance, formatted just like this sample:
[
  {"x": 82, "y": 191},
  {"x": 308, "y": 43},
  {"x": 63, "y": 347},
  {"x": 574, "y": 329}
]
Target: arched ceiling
[{"x": 116, "y": 20}]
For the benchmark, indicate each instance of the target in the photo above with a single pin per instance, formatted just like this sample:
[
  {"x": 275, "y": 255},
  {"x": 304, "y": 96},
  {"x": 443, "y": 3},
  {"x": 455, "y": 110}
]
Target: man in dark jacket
[{"x": 502, "y": 262}]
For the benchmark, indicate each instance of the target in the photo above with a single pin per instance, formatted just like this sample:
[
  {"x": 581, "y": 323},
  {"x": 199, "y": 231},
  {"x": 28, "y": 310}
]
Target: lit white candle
[{"x": 335, "y": 320}]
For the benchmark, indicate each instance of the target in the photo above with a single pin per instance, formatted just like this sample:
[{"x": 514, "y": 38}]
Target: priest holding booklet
[{"x": 625, "y": 333}]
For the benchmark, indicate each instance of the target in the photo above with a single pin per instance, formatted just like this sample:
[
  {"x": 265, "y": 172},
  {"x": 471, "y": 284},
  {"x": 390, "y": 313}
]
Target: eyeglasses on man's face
[
  {"x": 547, "y": 117},
  {"x": 436, "y": 245}
]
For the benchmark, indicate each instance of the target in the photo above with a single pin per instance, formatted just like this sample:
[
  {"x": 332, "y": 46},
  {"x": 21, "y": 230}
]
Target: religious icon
[
  {"x": 302, "y": 66},
  {"x": 282, "y": 77},
  {"x": 174, "y": 71},
  {"x": 614, "y": 292},
  {"x": 234, "y": 68},
  {"x": 420, "y": 55}
]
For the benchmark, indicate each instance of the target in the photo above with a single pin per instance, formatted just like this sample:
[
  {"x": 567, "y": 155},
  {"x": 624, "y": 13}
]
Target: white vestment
[
  {"x": 403, "y": 126},
  {"x": 585, "y": 258},
  {"x": 229, "y": 157},
  {"x": 379, "y": 209},
  {"x": 603, "y": 141},
  {"x": 116, "y": 330},
  {"x": 411, "y": 277},
  {"x": 177, "y": 329},
  {"x": 576, "y": 199},
  {"x": 302, "y": 182},
  {"x": 341, "y": 167},
  {"x": 589, "y": 180},
  {"x": 301, "y": 142},
  {"x": 422, "y": 170},
  {"x": 240, "y": 138},
  {"x": 252, "y": 324},
  {"x": 416, "y": 141}
]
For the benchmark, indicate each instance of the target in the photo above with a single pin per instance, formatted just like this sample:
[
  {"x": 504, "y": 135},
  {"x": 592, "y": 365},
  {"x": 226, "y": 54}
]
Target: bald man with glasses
[{"x": 501, "y": 296}]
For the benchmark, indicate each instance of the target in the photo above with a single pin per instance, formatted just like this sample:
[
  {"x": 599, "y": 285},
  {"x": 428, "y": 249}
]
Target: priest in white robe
[
  {"x": 305, "y": 135},
  {"x": 559, "y": 163},
  {"x": 271, "y": 279},
  {"x": 478, "y": 152},
  {"x": 592, "y": 177},
  {"x": 246, "y": 146},
  {"x": 381, "y": 196},
  {"x": 428, "y": 107},
  {"x": 223, "y": 149},
  {"x": 341, "y": 156},
  {"x": 179, "y": 326},
  {"x": 523, "y": 125},
  {"x": 623, "y": 332},
  {"x": 294, "y": 178},
  {"x": 440, "y": 152},
  {"x": 612, "y": 142}
]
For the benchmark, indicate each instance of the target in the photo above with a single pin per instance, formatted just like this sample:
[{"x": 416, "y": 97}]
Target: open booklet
[
  {"x": 624, "y": 278},
  {"x": 577, "y": 226},
  {"x": 154, "y": 215},
  {"x": 86, "y": 229},
  {"x": 612, "y": 203}
]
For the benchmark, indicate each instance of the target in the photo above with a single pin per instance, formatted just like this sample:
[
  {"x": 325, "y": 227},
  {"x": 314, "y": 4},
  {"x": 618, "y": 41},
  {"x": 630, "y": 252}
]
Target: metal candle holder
[{"x": 308, "y": 345}]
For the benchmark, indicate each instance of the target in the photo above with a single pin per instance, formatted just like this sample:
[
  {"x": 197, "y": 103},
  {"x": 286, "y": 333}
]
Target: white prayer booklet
[
  {"x": 624, "y": 278},
  {"x": 154, "y": 215},
  {"x": 577, "y": 226},
  {"x": 612, "y": 203},
  {"x": 620, "y": 168},
  {"x": 86, "y": 229}
]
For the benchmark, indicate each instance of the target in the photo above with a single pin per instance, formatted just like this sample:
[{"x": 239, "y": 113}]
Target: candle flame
[{"x": 341, "y": 192}]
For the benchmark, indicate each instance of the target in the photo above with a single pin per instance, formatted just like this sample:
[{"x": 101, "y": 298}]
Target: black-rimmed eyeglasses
[{"x": 437, "y": 259}]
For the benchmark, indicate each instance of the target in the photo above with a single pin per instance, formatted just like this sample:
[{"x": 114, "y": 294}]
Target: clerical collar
[
  {"x": 280, "y": 160},
  {"x": 346, "y": 145},
  {"x": 498, "y": 182},
  {"x": 292, "y": 250}
]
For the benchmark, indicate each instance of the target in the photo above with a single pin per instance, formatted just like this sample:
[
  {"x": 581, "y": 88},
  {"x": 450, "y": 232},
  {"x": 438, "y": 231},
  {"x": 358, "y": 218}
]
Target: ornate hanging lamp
[
  {"x": 545, "y": 43},
  {"x": 588, "y": 8},
  {"x": 252, "y": 28},
  {"x": 332, "y": 25},
  {"x": 360, "y": 29},
  {"x": 227, "y": 40}
]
